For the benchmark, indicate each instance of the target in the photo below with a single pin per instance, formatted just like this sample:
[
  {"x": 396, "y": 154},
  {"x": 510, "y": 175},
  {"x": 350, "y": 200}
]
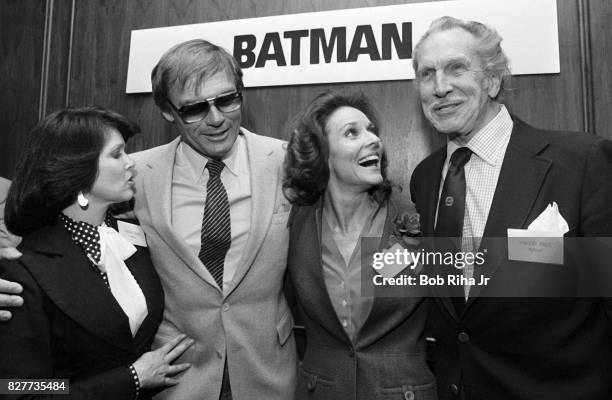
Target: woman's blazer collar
[{"x": 64, "y": 273}]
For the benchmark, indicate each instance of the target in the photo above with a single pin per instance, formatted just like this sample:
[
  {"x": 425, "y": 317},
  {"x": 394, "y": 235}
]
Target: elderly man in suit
[
  {"x": 215, "y": 220},
  {"x": 498, "y": 172}
]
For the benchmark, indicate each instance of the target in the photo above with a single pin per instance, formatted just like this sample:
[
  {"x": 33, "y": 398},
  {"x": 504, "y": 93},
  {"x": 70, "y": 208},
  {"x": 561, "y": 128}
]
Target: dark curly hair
[
  {"x": 59, "y": 159},
  {"x": 306, "y": 163}
]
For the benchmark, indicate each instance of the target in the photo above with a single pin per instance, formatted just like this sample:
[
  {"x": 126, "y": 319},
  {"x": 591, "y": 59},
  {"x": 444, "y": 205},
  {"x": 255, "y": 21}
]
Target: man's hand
[
  {"x": 8, "y": 298},
  {"x": 9, "y": 253},
  {"x": 9, "y": 290}
]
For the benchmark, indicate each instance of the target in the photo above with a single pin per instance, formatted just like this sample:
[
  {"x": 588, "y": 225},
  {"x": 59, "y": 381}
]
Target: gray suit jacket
[
  {"x": 387, "y": 359},
  {"x": 251, "y": 325}
]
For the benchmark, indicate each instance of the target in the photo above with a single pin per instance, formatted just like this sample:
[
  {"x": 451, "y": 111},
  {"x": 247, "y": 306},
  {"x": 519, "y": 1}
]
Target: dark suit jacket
[
  {"x": 70, "y": 325},
  {"x": 387, "y": 361},
  {"x": 527, "y": 348}
]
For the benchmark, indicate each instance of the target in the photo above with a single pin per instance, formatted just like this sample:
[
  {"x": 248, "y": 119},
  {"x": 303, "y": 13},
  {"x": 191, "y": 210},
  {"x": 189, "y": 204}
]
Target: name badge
[
  {"x": 133, "y": 233},
  {"x": 535, "y": 246}
]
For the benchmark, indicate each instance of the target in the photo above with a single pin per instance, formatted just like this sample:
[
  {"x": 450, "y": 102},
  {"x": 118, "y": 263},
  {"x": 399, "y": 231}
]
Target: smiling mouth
[
  {"x": 369, "y": 161},
  {"x": 217, "y": 134},
  {"x": 446, "y": 107}
]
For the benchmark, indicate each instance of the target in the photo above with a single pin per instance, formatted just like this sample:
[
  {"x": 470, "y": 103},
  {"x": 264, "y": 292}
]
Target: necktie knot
[
  {"x": 215, "y": 167},
  {"x": 460, "y": 157}
]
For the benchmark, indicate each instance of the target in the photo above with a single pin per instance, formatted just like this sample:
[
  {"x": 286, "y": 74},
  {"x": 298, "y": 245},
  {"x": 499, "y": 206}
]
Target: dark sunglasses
[{"x": 196, "y": 112}]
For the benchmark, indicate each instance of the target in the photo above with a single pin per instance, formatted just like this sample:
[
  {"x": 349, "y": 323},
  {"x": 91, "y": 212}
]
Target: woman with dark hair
[
  {"x": 358, "y": 345},
  {"x": 92, "y": 300}
]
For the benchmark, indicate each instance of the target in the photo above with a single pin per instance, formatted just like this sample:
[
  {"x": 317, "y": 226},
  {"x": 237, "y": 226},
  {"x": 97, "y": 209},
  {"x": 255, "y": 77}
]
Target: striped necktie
[{"x": 216, "y": 229}]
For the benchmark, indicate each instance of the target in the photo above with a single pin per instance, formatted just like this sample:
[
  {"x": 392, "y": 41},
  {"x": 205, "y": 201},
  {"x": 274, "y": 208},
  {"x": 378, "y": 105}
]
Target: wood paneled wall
[
  {"x": 22, "y": 26},
  {"x": 74, "y": 52}
]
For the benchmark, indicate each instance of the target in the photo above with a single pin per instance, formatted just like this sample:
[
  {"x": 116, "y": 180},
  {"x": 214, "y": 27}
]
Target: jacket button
[
  {"x": 455, "y": 389},
  {"x": 351, "y": 353},
  {"x": 312, "y": 382},
  {"x": 409, "y": 395},
  {"x": 225, "y": 306},
  {"x": 463, "y": 337}
]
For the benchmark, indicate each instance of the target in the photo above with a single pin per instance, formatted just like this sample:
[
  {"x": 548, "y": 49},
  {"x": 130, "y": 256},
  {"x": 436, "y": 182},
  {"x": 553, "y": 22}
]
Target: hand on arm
[{"x": 155, "y": 368}]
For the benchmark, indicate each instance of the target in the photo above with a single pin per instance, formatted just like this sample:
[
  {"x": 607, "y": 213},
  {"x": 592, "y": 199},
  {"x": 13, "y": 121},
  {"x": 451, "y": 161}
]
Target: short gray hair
[
  {"x": 190, "y": 63},
  {"x": 488, "y": 46}
]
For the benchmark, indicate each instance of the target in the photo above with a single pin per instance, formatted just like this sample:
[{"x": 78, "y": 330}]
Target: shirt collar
[
  {"x": 196, "y": 162},
  {"x": 84, "y": 235},
  {"x": 488, "y": 143}
]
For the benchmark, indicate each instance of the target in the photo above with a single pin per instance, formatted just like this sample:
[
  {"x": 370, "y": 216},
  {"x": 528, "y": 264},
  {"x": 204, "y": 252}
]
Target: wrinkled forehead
[
  {"x": 203, "y": 87},
  {"x": 198, "y": 79},
  {"x": 441, "y": 47}
]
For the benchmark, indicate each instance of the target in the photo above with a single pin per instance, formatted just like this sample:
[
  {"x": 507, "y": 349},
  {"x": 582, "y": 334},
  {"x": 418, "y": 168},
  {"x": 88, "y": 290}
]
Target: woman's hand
[{"x": 155, "y": 368}]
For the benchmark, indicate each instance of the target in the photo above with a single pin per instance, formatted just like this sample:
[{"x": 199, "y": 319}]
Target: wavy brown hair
[{"x": 306, "y": 163}]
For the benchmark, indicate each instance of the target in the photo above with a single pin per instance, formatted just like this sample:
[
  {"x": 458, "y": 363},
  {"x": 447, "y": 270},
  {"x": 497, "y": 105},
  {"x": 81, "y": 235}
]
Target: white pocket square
[{"x": 550, "y": 221}]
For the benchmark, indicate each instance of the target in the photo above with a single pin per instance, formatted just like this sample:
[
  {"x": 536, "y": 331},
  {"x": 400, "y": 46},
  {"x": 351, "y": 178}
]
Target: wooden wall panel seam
[
  {"x": 69, "y": 57},
  {"x": 588, "y": 113},
  {"x": 44, "y": 76}
]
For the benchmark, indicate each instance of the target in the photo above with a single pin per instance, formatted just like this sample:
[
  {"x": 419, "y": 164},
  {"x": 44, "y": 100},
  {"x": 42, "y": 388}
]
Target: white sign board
[{"x": 354, "y": 45}]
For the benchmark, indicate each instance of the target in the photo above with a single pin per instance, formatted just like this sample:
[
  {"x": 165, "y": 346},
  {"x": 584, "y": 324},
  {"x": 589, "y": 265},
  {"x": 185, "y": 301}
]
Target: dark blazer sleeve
[
  {"x": 596, "y": 197},
  {"x": 25, "y": 346},
  {"x": 596, "y": 210}
]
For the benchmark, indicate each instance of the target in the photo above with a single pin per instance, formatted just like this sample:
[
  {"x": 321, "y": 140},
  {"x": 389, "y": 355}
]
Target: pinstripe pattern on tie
[{"x": 216, "y": 229}]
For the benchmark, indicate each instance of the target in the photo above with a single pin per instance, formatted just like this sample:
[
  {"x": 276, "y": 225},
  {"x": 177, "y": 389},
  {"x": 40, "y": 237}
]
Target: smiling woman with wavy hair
[
  {"x": 358, "y": 346},
  {"x": 306, "y": 164}
]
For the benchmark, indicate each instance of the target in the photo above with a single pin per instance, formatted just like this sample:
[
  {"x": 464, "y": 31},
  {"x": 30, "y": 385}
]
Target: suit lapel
[
  {"x": 141, "y": 268},
  {"x": 264, "y": 177},
  {"x": 381, "y": 306},
  {"x": 427, "y": 203},
  {"x": 157, "y": 189},
  {"x": 63, "y": 271},
  {"x": 521, "y": 177},
  {"x": 313, "y": 268},
  {"x": 430, "y": 187}
]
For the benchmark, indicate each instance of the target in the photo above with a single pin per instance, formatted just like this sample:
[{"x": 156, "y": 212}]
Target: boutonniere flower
[{"x": 406, "y": 230}]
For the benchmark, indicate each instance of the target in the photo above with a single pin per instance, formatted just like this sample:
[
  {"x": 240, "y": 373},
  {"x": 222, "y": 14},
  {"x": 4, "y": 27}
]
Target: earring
[{"x": 82, "y": 200}]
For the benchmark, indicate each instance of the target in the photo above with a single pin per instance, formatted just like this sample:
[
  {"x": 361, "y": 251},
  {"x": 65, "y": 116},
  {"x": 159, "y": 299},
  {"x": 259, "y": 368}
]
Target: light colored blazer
[
  {"x": 7, "y": 239},
  {"x": 251, "y": 325}
]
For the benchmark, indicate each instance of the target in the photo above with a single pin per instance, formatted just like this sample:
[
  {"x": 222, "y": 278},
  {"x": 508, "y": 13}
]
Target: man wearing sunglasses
[{"x": 211, "y": 206}]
